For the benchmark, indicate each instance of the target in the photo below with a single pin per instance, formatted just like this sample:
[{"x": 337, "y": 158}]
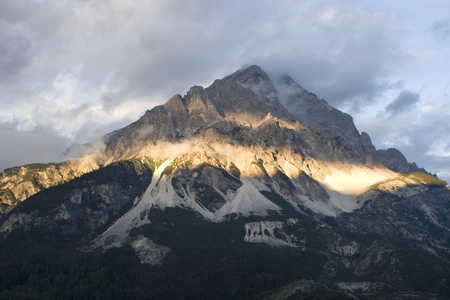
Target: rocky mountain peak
[
  {"x": 309, "y": 109},
  {"x": 287, "y": 81},
  {"x": 195, "y": 91},
  {"x": 249, "y": 76},
  {"x": 190, "y": 199},
  {"x": 256, "y": 80},
  {"x": 245, "y": 108}
]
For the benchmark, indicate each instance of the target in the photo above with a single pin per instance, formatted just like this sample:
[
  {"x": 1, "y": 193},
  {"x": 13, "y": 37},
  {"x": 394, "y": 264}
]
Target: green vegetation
[
  {"x": 260, "y": 166},
  {"x": 141, "y": 163},
  {"x": 208, "y": 260},
  {"x": 128, "y": 176},
  {"x": 419, "y": 178},
  {"x": 235, "y": 170},
  {"x": 32, "y": 169},
  {"x": 424, "y": 178},
  {"x": 29, "y": 174}
]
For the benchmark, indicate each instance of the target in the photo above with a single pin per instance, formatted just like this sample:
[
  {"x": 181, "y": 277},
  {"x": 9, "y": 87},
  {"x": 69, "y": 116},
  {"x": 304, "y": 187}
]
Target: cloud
[
  {"x": 95, "y": 149},
  {"x": 19, "y": 148},
  {"x": 441, "y": 29},
  {"x": 106, "y": 53},
  {"x": 341, "y": 62},
  {"x": 405, "y": 101},
  {"x": 419, "y": 132}
]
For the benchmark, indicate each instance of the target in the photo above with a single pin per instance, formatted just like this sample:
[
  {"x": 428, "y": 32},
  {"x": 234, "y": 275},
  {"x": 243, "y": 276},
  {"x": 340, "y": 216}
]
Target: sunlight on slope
[
  {"x": 259, "y": 169},
  {"x": 344, "y": 183},
  {"x": 356, "y": 180}
]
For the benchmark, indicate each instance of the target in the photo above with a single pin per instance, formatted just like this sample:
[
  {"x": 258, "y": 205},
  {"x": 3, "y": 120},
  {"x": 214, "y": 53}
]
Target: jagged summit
[
  {"x": 259, "y": 82},
  {"x": 246, "y": 97},
  {"x": 235, "y": 98}
]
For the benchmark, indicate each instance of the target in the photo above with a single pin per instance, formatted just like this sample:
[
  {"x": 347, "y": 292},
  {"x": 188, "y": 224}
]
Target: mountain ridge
[
  {"x": 199, "y": 108},
  {"x": 245, "y": 171}
]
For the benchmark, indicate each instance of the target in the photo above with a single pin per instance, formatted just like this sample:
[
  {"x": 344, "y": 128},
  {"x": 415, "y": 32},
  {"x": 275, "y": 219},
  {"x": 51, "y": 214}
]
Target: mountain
[{"x": 249, "y": 188}]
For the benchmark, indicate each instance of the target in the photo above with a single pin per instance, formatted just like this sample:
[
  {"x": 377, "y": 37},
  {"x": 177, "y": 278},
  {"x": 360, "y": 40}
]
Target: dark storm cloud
[{"x": 406, "y": 100}]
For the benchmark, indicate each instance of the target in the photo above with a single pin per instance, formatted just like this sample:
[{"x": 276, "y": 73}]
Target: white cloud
[
  {"x": 19, "y": 148},
  {"x": 420, "y": 132},
  {"x": 441, "y": 29}
]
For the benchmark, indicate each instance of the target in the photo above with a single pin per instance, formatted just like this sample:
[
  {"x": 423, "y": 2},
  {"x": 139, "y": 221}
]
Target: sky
[{"x": 71, "y": 71}]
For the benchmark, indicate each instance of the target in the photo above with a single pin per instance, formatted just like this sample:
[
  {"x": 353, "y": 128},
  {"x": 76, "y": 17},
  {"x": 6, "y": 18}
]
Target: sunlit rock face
[
  {"x": 19, "y": 183},
  {"x": 83, "y": 204}
]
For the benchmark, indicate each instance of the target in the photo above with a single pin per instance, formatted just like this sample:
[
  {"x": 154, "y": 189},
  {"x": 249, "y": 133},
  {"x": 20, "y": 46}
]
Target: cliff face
[
  {"x": 80, "y": 206},
  {"x": 19, "y": 183}
]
